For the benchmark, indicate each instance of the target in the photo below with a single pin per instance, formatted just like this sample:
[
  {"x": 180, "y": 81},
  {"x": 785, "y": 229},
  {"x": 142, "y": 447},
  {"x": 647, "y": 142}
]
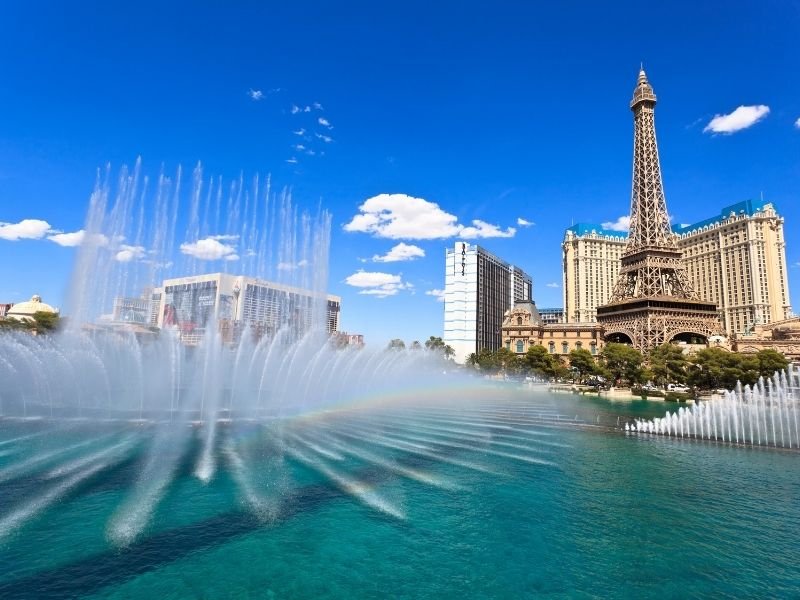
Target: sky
[{"x": 414, "y": 123}]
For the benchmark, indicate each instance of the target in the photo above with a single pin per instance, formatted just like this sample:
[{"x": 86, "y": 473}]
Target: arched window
[
  {"x": 593, "y": 348},
  {"x": 552, "y": 347},
  {"x": 578, "y": 345},
  {"x": 519, "y": 320},
  {"x": 564, "y": 348},
  {"x": 520, "y": 345},
  {"x": 508, "y": 344}
]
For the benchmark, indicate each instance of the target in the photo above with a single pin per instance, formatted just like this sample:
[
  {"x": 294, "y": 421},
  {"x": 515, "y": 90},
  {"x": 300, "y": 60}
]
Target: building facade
[
  {"x": 551, "y": 316},
  {"x": 524, "y": 328},
  {"x": 736, "y": 259},
  {"x": 590, "y": 257},
  {"x": 479, "y": 289},
  {"x": 782, "y": 336},
  {"x": 189, "y": 303}
]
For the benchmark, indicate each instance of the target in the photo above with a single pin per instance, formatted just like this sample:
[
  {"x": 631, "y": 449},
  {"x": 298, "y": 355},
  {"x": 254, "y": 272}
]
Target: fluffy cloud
[
  {"x": 27, "y": 229},
  {"x": 399, "y": 216},
  {"x": 324, "y": 122},
  {"x": 438, "y": 294},
  {"x": 325, "y": 138},
  {"x": 552, "y": 284},
  {"x": 482, "y": 229},
  {"x": 300, "y": 132},
  {"x": 621, "y": 224},
  {"x": 290, "y": 266},
  {"x": 209, "y": 249},
  {"x": 401, "y": 252},
  {"x": 377, "y": 284},
  {"x": 741, "y": 118},
  {"x": 255, "y": 94},
  {"x": 524, "y": 222},
  {"x": 318, "y": 106},
  {"x": 797, "y": 123},
  {"x": 76, "y": 238},
  {"x": 298, "y": 109},
  {"x": 291, "y": 161},
  {"x": 128, "y": 253}
]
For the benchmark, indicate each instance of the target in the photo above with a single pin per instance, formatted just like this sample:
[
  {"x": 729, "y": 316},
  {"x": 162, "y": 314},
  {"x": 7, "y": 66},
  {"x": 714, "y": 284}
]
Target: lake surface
[{"x": 479, "y": 493}]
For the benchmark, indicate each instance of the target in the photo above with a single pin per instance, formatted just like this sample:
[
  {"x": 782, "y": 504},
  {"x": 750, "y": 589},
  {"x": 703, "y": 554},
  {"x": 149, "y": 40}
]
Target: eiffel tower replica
[{"x": 653, "y": 301}]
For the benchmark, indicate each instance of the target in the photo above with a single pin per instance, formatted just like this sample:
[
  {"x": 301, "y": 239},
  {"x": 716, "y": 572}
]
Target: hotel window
[
  {"x": 564, "y": 348},
  {"x": 520, "y": 346},
  {"x": 593, "y": 348},
  {"x": 552, "y": 347}
]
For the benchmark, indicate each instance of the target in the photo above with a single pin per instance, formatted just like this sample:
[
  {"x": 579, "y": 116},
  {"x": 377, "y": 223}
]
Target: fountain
[
  {"x": 101, "y": 393},
  {"x": 764, "y": 414}
]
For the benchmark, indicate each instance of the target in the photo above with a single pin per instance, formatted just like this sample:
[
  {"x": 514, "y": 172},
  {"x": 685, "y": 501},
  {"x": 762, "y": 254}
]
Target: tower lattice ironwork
[{"x": 653, "y": 300}]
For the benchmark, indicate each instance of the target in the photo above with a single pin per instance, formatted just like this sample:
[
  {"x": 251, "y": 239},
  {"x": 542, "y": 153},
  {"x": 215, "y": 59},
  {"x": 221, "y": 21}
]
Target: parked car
[{"x": 676, "y": 387}]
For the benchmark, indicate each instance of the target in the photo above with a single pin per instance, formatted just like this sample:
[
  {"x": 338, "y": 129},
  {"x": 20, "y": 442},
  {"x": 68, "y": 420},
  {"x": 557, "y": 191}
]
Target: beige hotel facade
[{"x": 736, "y": 259}]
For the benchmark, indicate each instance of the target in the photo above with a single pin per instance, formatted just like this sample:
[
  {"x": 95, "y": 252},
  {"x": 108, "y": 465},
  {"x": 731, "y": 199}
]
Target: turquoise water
[{"x": 503, "y": 494}]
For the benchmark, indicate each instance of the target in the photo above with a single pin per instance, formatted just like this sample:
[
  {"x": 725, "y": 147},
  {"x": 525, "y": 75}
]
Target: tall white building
[
  {"x": 190, "y": 302},
  {"x": 479, "y": 288},
  {"x": 736, "y": 259}
]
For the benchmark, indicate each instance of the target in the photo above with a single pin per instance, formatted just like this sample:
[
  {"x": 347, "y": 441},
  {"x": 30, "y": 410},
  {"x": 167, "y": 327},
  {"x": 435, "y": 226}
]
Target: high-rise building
[
  {"x": 551, "y": 316},
  {"x": 736, "y": 259},
  {"x": 590, "y": 269},
  {"x": 190, "y": 302},
  {"x": 653, "y": 301},
  {"x": 479, "y": 289}
]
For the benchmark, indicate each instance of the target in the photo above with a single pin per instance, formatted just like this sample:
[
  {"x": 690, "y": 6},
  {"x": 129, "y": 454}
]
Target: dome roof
[{"x": 24, "y": 310}]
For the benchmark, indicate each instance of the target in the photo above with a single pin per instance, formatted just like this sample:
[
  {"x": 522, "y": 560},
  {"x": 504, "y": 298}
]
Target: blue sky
[{"x": 492, "y": 111}]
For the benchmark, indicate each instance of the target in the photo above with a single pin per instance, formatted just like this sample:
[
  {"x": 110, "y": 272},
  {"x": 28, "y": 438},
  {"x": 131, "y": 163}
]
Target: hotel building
[
  {"x": 479, "y": 289},
  {"x": 736, "y": 260}
]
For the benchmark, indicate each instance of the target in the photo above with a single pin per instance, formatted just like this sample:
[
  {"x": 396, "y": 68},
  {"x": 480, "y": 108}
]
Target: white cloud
[
  {"x": 209, "y": 249},
  {"x": 797, "y": 123},
  {"x": 399, "y": 216},
  {"x": 76, "y": 238},
  {"x": 325, "y": 138},
  {"x": 128, "y": 253},
  {"x": 310, "y": 152},
  {"x": 621, "y": 224},
  {"x": 482, "y": 229},
  {"x": 295, "y": 109},
  {"x": 291, "y": 161},
  {"x": 324, "y": 122},
  {"x": 741, "y": 118},
  {"x": 318, "y": 106},
  {"x": 299, "y": 147},
  {"x": 255, "y": 94},
  {"x": 552, "y": 284},
  {"x": 289, "y": 266},
  {"x": 228, "y": 237},
  {"x": 300, "y": 132},
  {"x": 524, "y": 222},
  {"x": 27, "y": 229},
  {"x": 377, "y": 284},
  {"x": 401, "y": 252},
  {"x": 438, "y": 294}
]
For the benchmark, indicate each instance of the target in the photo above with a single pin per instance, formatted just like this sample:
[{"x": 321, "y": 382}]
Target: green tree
[
  {"x": 541, "y": 362},
  {"x": 582, "y": 363},
  {"x": 415, "y": 345},
  {"x": 396, "y": 344},
  {"x": 436, "y": 344},
  {"x": 714, "y": 368},
  {"x": 770, "y": 361},
  {"x": 667, "y": 364},
  {"x": 623, "y": 363}
]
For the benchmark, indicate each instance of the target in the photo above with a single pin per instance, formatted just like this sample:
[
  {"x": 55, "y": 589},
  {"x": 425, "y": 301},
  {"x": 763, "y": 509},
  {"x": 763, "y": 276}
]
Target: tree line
[
  {"x": 42, "y": 322},
  {"x": 620, "y": 364}
]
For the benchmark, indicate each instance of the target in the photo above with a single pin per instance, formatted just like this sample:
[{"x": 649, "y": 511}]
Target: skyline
[{"x": 465, "y": 132}]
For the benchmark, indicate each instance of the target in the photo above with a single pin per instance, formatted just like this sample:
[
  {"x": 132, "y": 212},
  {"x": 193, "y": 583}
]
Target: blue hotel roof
[{"x": 748, "y": 207}]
